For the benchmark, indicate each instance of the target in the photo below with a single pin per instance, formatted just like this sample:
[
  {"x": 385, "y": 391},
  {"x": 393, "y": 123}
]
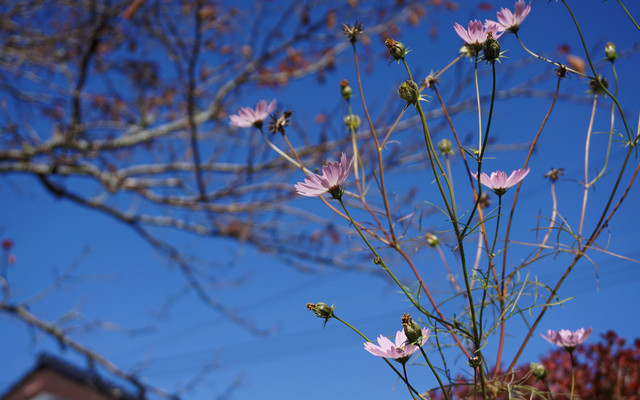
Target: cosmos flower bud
[
  {"x": 432, "y": 239},
  {"x": 321, "y": 310},
  {"x": 396, "y": 49},
  {"x": 411, "y": 329},
  {"x": 491, "y": 48},
  {"x": 475, "y": 361},
  {"x": 409, "y": 92},
  {"x": 445, "y": 147},
  {"x": 610, "y": 51},
  {"x": 345, "y": 89},
  {"x": 538, "y": 370},
  {"x": 352, "y": 122}
]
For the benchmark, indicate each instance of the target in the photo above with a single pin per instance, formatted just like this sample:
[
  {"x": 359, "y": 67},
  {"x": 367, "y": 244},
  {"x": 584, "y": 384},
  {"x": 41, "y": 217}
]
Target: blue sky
[{"x": 121, "y": 279}]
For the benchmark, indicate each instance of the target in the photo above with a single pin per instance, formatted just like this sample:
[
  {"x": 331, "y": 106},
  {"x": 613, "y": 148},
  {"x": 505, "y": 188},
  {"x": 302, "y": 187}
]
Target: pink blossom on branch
[
  {"x": 499, "y": 182},
  {"x": 509, "y": 21},
  {"x": 400, "y": 350},
  {"x": 566, "y": 338},
  {"x": 476, "y": 34},
  {"x": 248, "y": 117},
  {"x": 333, "y": 175}
]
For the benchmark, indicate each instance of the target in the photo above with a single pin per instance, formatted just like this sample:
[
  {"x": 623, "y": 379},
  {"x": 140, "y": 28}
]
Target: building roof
[{"x": 65, "y": 376}]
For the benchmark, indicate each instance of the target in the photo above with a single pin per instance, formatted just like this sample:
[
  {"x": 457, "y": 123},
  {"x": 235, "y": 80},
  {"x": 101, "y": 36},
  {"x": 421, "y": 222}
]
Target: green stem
[
  {"x": 593, "y": 69},
  {"x": 406, "y": 378},
  {"x": 573, "y": 373},
  {"x": 629, "y": 15},
  {"x": 435, "y": 373},
  {"x": 493, "y": 247}
]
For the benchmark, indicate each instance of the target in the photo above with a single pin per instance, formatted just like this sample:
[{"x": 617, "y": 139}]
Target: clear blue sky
[{"x": 124, "y": 281}]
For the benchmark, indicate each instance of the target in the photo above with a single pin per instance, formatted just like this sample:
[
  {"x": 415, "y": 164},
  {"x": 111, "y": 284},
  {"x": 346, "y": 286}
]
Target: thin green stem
[
  {"x": 435, "y": 373},
  {"x": 406, "y": 378},
  {"x": 593, "y": 69},
  {"x": 629, "y": 15},
  {"x": 573, "y": 374}
]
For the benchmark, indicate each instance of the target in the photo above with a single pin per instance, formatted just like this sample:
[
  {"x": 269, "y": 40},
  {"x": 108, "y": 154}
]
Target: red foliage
[{"x": 606, "y": 370}]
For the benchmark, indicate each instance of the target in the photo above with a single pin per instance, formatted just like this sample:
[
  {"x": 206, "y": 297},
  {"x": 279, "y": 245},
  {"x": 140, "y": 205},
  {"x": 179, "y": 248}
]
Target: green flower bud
[
  {"x": 352, "y": 122},
  {"x": 321, "y": 310},
  {"x": 409, "y": 92},
  {"x": 491, "y": 48},
  {"x": 396, "y": 49},
  {"x": 445, "y": 147},
  {"x": 610, "y": 51},
  {"x": 432, "y": 239},
  {"x": 538, "y": 370},
  {"x": 475, "y": 361},
  {"x": 412, "y": 330},
  {"x": 345, "y": 89}
]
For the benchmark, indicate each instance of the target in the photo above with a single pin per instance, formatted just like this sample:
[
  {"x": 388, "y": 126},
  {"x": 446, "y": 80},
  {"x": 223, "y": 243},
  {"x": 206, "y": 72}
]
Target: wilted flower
[
  {"x": 400, "y": 350},
  {"x": 476, "y": 34},
  {"x": 598, "y": 86},
  {"x": 491, "y": 48},
  {"x": 409, "y": 92},
  {"x": 509, "y": 21},
  {"x": 333, "y": 174},
  {"x": 247, "y": 116},
  {"x": 566, "y": 338},
  {"x": 498, "y": 181}
]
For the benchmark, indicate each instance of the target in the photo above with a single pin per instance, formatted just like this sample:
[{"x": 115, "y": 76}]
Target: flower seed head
[
  {"x": 321, "y": 310},
  {"x": 352, "y": 31}
]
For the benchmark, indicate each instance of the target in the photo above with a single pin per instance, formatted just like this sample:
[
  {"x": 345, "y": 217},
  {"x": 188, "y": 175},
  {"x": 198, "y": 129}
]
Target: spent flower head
[
  {"x": 333, "y": 175},
  {"x": 610, "y": 52},
  {"x": 277, "y": 124},
  {"x": 510, "y": 21},
  {"x": 248, "y": 117},
  {"x": 352, "y": 31},
  {"x": 566, "y": 338},
  {"x": 345, "y": 89},
  {"x": 400, "y": 351},
  {"x": 499, "y": 182}
]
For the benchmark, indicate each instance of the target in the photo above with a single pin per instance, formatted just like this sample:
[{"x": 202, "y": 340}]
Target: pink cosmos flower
[
  {"x": 400, "y": 350},
  {"x": 333, "y": 174},
  {"x": 509, "y": 21},
  {"x": 498, "y": 181},
  {"x": 566, "y": 338},
  {"x": 247, "y": 116},
  {"x": 476, "y": 34}
]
